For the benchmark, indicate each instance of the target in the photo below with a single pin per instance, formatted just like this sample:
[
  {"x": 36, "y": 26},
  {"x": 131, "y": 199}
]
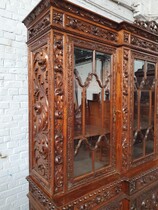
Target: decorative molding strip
[
  {"x": 125, "y": 111},
  {"x": 96, "y": 198},
  {"x": 58, "y": 104},
  {"x": 81, "y": 12},
  {"x": 40, "y": 196},
  {"x": 39, "y": 27},
  {"x": 139, "y": 42},
  {"x": 58, "y": 17},
  {"x": 137, "y": 30},
  {"x": 91, "y": 29},
  {"x": 142, "y": 181},
  {"x": 43, "y": 5},
  {"x": 146, "y": 200}
]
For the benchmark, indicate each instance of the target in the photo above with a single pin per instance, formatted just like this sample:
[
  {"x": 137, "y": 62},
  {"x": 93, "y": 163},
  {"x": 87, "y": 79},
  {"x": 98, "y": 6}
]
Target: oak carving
[
  {"x": 59, "y": 111},
  {"x": 40, "y": 114}
]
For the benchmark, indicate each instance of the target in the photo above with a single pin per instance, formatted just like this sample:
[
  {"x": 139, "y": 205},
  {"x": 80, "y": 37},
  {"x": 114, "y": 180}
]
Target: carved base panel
[
  {"x": 107, "y": 197},
  {"x": 146, "y": 200}
]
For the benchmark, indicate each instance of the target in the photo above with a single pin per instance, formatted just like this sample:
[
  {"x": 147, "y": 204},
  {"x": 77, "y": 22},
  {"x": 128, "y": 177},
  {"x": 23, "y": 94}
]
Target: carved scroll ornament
[
  {"x": 58, "y": 103},
  {"x": 40, "y": 112}
]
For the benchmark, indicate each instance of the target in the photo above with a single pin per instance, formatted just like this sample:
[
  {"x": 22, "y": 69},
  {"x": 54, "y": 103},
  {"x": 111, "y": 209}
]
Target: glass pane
[
  {"x": 138, "y": 144},
  {"x": 82, "y": 159},
  {"x": 91, "y": 111},
  {"x": 144, "y": 109},
  {"x": 83, "y": 63},
  {"x": 144, "y": 97},
  {"x": 138, "y": 72},
  {"x": 135, "y": 126},
  {"x": 77, "y": 109},
  {"x": 102, "y": 153},
  {"x": 103, "y": 62},
  {"x": 149, "y": 147}
]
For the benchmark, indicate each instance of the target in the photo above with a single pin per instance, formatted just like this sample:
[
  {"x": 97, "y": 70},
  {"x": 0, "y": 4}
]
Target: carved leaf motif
[
  {"x": 40, "y": 117},
  {"x": 143, "y": 43},
  {"x": 91, "y": 29},
  {"x": 40, "y": 26},
  {"x": 125, "y": 111},
  {"x": 57, "y": 17},
  {"x": 59, "y": 106}
]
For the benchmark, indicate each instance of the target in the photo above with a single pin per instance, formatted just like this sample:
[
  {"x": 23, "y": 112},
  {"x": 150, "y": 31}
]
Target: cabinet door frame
[
  {"x": 83, "y": 43},
  {"x": 135, "y": 55}
]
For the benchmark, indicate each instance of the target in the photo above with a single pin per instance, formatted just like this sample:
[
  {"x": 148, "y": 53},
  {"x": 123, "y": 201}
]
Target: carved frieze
[
  {"x": 146, "y": 200},
  {"x": 40, "y": 26},
  {"x": 57, "y": 17},
  {"x": 91, "y": 29},
  {"x": 126, "y": 37},
  {"x": 40, "y": 196},
  {"x": 125, "y": 110},
  {"x": 142, "y": 181},
  {"x": 59, "y": 111},
  {"x": 96, "y": 198},
  {"x": 68, "y": 7},
  {"x": 142, "y": 43},
  {"x": 40, "y": 112},
  {"x": 114, "y": 206},
  {"x": 42, "y": 6},
  {"x": 137, "y": 30}
]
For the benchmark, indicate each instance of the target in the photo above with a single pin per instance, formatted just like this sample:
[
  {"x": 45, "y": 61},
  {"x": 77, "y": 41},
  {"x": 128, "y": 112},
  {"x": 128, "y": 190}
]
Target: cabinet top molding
[{"x": 65, "y": 6}]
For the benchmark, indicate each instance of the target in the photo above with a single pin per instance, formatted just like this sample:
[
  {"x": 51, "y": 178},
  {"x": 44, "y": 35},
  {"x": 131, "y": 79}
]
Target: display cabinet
[{"x": 93, "y": 113}]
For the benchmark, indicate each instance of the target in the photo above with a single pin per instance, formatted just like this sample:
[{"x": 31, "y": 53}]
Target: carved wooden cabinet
[{"x": 93, "y": 113}]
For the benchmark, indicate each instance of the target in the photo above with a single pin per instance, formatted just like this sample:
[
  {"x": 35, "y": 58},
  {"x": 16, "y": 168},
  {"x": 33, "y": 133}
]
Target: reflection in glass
[
  {"x": 91, "y": 111},
  {"x": 144, "y": 110},
  {"x": 82, "y": 159},
  {"x": 102, "y": 66},
  {"x": 102, "y": 153},
  {"x": 144, "y": 106},
  {"x": 83, "y": 63}
]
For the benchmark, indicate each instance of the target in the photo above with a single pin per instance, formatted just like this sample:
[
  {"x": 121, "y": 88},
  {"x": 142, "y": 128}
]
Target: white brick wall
[{"x": 13, "y": 104}]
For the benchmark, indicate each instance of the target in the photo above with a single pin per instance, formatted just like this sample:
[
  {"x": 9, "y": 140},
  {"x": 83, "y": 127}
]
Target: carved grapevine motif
[
  {"x": 59, "y": 106},
  {"x": 91, "y": 29},
  {"x": 125, "y": 111},
  {"x": 40, "y": 112}
]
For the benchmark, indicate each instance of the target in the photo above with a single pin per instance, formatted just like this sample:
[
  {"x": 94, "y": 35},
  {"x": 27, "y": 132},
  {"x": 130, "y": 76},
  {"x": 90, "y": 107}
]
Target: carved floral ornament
[{"x": 40, "y": 114}]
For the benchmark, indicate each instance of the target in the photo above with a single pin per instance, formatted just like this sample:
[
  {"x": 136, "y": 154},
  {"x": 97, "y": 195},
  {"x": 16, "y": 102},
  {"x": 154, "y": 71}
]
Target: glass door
[
  {"x": 144, "y": 109},
  {"x": 92, "y": 95}
]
